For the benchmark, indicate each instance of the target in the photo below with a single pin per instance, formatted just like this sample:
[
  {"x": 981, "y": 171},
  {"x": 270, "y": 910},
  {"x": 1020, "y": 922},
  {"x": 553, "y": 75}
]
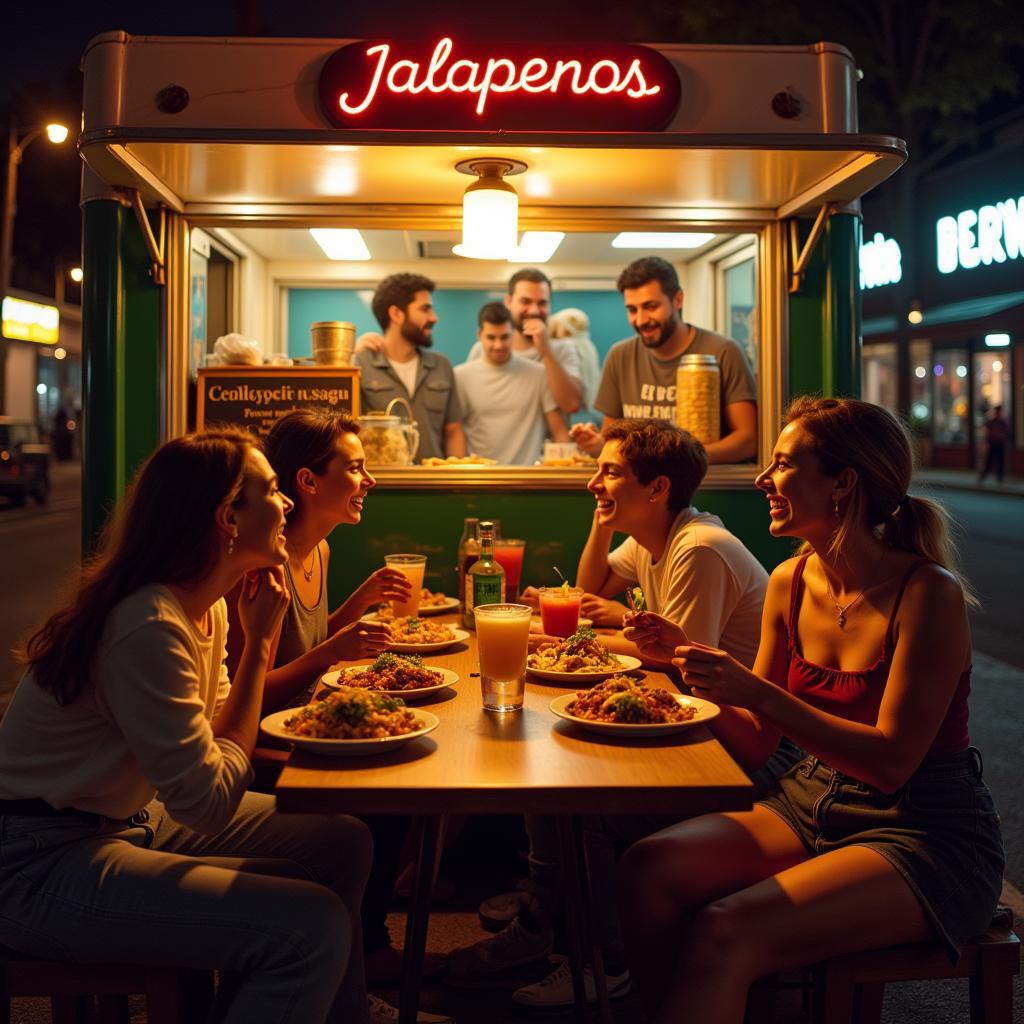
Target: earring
[
  {"x": 835, "y": 505},
  {"x": 231, "y": 543}
]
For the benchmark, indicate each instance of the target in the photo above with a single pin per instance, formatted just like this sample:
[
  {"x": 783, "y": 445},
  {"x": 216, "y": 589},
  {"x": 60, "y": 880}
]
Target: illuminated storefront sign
[
  {"x": 880, "y": 262},
  {"x": 974, "y": 238},
  {"x": 513, "y": 87},
  {"x": 30, "y": 321}
]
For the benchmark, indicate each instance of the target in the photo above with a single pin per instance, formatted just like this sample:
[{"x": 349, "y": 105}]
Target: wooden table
[{"x": 528, "y": 761}]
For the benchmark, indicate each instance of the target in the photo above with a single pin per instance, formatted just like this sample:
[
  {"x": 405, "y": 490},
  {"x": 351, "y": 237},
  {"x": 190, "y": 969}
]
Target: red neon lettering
[{"x": 499, "y": 75}]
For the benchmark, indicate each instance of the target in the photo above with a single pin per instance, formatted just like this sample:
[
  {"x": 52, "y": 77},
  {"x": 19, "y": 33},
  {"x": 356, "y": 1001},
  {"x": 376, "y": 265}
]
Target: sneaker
[
  {"x": 512, "y": 947},
  {"x": 385, "y": 1013},
  {"x": 556, "y": 988},
  {"x": 498, "y": 911}
]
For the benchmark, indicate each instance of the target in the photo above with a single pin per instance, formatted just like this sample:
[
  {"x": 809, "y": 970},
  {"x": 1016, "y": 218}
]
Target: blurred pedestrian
[{"x": 997, "y": 437}]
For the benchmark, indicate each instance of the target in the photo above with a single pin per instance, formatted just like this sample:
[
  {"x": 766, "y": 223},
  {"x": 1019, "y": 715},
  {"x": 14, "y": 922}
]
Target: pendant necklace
[
  {"x": 309, "y": 575},
  {"x": 842, "y": 609}
]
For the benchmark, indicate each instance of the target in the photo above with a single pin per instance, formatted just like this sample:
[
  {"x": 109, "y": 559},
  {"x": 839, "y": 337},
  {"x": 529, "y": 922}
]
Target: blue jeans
[{"x": 271, "y": 899}]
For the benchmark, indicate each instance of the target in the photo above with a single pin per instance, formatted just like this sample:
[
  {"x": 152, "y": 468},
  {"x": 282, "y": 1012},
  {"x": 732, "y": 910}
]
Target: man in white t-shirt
[
  {"x": 529, "y": 302},
  {"x": 507, "y": 406}
]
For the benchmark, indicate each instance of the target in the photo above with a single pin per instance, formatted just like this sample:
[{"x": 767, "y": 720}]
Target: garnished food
[
  {"x": 350, "y": 713},
  {"x": 579, "y": 459},
  {"x": 392, "y": 672},
  {"x": 637, "y": 600},
  {"x": 428, "y": 599},
  {"x": 581, "y": 652},
  {"x": 458, "y": 460},
  {"x": 627, "y": 702},
  {"x": 410, "y": 629}
]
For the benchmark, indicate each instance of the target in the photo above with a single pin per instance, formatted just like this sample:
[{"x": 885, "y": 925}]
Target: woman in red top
[{"x": 886, "y": 832}]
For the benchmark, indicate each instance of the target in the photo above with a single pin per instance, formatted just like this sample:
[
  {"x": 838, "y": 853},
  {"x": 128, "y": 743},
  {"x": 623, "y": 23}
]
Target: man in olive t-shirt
[{"x": 639, "y": 378}]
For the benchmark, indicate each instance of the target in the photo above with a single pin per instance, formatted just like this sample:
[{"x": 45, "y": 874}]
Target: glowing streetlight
[
  {"x": 57, "y": 133},
  {"x": 76, "y": 274}
]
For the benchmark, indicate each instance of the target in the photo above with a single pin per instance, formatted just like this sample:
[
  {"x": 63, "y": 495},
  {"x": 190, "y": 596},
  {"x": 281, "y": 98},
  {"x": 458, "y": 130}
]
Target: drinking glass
[
  {"x": 560, "y": 610},
  {"x": 502, "y": 638},
  {"x": 509, "y": 555},
  {"x": 414, "y": 566}
]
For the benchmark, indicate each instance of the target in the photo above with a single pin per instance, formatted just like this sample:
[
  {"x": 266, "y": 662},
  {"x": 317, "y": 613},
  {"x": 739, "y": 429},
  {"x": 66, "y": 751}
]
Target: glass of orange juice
[
  {"x": 414, "y": 566},
  {"x": 502, "y": 638}
]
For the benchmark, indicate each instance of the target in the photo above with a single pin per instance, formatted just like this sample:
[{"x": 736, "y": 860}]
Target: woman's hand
[
  {"x": 262, "y": 602},
  {"x": 530, "y": 596},
  {"x": 603, "y": 611},
  {"x": 386, "y": 584},
  {"x": 718, "y": 676},
  {"x": 656, "y": 636},
  {"x": 359, "y": 639}
]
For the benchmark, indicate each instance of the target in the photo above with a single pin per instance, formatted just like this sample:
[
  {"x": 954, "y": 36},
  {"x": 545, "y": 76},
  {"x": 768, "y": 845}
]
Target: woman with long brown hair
[
  {"x": 126, "y": 832},
  {"x": 885, "y": 833}
]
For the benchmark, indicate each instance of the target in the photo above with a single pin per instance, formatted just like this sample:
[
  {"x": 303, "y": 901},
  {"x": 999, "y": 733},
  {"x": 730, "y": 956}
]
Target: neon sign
[
  {"x": 973, "y": 238},
  {"x": 478, "y": 87},
  {"x": 881, "y": 262}
]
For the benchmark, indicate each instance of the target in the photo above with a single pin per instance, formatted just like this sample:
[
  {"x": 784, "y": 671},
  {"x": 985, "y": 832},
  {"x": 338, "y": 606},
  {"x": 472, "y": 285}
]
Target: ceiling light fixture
[
  {"x": 341, "y": 243},
  {"x": 660, "y": 240},
  {"x": 490, "y": 209},
  {"x": 536, "y": 246}
]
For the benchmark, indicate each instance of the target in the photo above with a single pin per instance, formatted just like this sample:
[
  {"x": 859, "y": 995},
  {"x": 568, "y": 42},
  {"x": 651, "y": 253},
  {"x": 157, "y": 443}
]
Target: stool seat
[{"x": 849, "y": 988}]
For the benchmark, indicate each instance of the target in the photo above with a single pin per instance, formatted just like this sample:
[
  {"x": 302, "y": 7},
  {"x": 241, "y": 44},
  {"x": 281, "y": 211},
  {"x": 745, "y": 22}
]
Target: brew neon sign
[{"x": 476, "y": 87}]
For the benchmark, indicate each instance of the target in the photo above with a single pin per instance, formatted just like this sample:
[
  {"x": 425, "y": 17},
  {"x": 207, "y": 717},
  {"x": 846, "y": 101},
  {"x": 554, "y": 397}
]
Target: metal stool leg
[
  {"x": 427, "y": 831},
  {"x": 573, "y": 915}
]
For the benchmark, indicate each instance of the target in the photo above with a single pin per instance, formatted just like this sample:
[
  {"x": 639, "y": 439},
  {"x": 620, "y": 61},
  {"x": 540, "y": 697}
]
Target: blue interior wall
[{"x": 456, "y": 310}]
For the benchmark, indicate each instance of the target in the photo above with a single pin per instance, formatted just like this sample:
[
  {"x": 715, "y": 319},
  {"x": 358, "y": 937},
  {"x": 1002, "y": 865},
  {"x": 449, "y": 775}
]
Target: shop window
[
  {"x": 921, "y": 387},
  {"x": 737, "y": 309},
  {"x": 991, "y": 388},
  {"x": 950, "y": 374},
  {"x": 879, "y": 375}
]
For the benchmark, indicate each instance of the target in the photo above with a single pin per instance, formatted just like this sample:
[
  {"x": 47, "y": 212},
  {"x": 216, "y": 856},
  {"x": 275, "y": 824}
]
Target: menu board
[{"x": 256, "y": 397}]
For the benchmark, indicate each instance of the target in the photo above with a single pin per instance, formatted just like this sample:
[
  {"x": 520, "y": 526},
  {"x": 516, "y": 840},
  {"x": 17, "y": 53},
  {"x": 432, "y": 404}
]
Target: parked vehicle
[{"x": 24, "y": 461}]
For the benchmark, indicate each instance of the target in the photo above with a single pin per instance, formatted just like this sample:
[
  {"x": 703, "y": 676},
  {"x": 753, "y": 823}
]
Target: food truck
[{"x": 212, "y": 164}]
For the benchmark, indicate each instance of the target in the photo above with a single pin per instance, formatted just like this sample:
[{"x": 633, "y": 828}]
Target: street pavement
[{"x": 39, "y": 551}]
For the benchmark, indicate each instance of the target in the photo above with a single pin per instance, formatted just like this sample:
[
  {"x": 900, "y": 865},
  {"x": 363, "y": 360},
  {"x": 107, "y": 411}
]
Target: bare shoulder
[
  {"x": 325, "y": 551},
  {"x": 780, "y": 585},
  {"x": 934, "y": 587}
]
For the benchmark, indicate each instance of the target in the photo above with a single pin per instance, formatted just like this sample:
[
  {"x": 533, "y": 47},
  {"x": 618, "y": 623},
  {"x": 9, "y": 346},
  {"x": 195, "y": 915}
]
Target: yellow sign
[{"x": 30, "y": 321}]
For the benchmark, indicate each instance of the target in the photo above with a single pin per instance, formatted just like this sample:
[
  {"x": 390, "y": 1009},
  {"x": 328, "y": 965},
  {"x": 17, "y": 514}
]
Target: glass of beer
[
  {"x": 502, "y": 637},
  {"x": 414, "y": 566},
  {"x": 509, "y": 555},
  {"x": 560, "y": 610}
]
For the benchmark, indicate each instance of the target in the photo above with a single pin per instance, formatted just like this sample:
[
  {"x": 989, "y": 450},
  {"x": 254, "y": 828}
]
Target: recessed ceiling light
[
  {"x": 341, "y": 243},
  {"x": 660, "y": 240},
  {"x": 536, "y": 246}
]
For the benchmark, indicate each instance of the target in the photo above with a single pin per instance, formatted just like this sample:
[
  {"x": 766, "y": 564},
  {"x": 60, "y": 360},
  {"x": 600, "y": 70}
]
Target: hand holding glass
[
  {"x": 502, "y": 636},
  {"x": 414, "y": 566}
]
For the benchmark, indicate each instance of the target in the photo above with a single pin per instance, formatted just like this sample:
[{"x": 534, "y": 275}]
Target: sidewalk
[{"x": 967, "y": 480}]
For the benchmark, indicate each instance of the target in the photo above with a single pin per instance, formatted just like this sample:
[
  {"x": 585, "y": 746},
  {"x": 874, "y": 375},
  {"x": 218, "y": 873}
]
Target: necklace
[
  {"x": 308, "y": 574},
  {"x": 842, "y": 609}
]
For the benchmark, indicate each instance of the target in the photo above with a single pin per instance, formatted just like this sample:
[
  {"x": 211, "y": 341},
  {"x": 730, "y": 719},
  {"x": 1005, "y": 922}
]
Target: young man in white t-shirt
[
  {"x": 694, "y": 572},
  {"x": 507, "y": 405}
]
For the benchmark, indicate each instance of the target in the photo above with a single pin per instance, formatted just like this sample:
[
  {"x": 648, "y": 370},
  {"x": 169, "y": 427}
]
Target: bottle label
[{"x": 484, "y": 590}]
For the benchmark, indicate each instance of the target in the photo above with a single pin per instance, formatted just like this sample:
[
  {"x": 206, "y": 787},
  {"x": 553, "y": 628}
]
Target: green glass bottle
[{"x": 485, "y": 581}]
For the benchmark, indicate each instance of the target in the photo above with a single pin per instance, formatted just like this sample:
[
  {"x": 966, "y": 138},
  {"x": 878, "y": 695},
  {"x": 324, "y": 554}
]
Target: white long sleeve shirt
[{"x": 143, "y": 729}]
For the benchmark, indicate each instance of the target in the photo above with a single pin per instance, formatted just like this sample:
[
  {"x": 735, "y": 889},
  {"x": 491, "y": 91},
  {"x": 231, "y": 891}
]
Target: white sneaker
[
  {"x": 513, "y": 946},
  {"x": 385, "y": 1013},
  {"x": 556, "y": 988}
]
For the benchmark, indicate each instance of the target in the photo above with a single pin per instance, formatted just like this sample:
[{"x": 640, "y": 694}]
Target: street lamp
[{"x": 56, "y": 133}]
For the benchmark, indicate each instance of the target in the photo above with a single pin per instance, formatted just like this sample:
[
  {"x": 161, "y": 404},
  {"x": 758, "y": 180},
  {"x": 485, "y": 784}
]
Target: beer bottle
[
  {"x": 469, "y": 552},
  {"x": 485, "y": 582}
]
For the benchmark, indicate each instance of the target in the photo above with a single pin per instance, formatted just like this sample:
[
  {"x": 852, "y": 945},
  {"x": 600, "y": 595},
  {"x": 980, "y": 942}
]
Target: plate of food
[
  {"x": 350, "y": 721},
  {"x": 396, "y": 675},
  {"x": 413, "y": 634},
  {"x": 621, "y": 706},
  {"x": 430, "y": 604},
  {"x": 458, "y": 460},
  {"x": 580, "y": 658}
]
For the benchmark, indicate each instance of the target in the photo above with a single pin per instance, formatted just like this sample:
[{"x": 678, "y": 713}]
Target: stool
[
  {"x": 72, "y": 986},
  {"x": 849, "y": 988}
]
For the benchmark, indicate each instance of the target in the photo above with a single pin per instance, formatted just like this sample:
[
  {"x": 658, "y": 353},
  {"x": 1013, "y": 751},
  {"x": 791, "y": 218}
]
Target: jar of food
[
  {"x": 387, "y": 440},
  {"x": 333, "y": 342},
  {"x": 698, "y": 398}
]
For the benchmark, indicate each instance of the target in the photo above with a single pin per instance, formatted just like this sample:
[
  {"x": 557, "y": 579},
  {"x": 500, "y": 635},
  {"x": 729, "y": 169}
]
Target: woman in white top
[{"x": 126, "y": 832}]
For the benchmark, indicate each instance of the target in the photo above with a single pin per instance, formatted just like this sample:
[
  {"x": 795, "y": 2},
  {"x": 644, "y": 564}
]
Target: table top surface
[{"x": 480, "y": 761}]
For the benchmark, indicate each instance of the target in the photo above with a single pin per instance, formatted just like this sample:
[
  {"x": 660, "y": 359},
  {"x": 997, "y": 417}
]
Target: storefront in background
[
  {"x": 963, "y": 327},
  {"x": 42, "y": 346}
]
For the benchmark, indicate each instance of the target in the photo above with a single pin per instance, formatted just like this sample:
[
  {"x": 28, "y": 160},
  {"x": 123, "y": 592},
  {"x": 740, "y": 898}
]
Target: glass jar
[{"x": 698, "y": 397}]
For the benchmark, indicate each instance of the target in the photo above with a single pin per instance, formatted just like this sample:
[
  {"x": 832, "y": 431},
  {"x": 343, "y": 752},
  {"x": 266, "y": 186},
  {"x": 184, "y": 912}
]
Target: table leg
[
  {"x": 574, "y": 914},
  {"x": 427, "y": 831},
  {"x": 604, "y": 1005}
]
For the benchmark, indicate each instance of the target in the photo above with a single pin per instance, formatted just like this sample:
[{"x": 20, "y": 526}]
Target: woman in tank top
[{"x": 885, "y": 833}]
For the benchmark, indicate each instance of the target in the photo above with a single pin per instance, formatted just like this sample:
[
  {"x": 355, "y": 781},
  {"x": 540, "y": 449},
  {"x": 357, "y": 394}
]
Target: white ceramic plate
[
  {"x": 460, "y": 636},
  {"x": 333, "y": 680},
  {"x": 451, "y": 604},
  {"x": 627, "y": 663},
  {"x": 705, "y": 712},
  {"x": 273, "y": 725}
]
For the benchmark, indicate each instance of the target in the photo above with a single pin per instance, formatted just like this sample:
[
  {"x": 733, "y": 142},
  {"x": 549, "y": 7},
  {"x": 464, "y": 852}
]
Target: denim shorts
[{"x": 940, "y": 830}]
